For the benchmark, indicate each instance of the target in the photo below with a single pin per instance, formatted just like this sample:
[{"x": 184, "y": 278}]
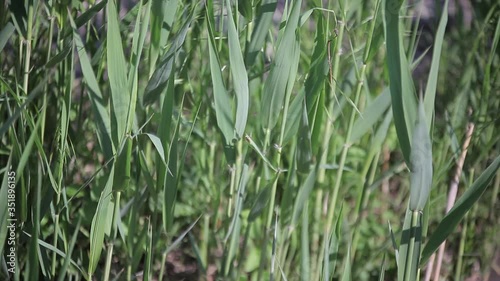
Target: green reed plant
[{"x": 251, "y": 140}]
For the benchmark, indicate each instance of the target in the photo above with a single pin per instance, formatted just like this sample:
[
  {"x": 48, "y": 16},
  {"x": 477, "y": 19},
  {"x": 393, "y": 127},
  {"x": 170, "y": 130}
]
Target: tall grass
[{"x": 246, "y": 140}]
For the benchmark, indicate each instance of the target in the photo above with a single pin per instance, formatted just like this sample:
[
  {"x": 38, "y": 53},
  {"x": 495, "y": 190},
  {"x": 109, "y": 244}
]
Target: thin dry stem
[{"x": 452, "y": 195}]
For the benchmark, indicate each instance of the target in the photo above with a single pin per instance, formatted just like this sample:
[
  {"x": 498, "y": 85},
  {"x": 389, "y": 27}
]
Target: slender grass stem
[
  {"x": 329, "y": 131},
  {"x": 364, "y": 196},
  {"x": 27, "y": 54},
  {"x": 415, "y": 216}
]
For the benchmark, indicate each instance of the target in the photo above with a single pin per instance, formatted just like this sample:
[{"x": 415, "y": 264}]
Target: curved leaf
[{"x": 459, "y": 210}]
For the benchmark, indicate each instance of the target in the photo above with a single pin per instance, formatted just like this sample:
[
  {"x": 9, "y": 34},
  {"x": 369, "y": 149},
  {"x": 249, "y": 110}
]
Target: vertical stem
[
  {"x": 363, "y": 200},
  {"x": 411, "y": 247},
  {"x": 27, "y": 53},
  {"x": 232, "y": 184},
  {"x": 162, "y": 267},
  {"x": 328, "y": 132},
  {"x": 109, "y": 256},
  {"x": 334, "y": 71},
  {"x": 278, "y": 162},
  {"x": 316, "y": 236},
  {"x": 49, "y": 51},
  {"x": 463, "y": 238}
]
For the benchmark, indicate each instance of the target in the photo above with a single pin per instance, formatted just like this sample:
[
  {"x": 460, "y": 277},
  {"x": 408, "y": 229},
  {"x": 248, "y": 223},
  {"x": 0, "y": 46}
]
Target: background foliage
[{"x": 248, "y": 140}]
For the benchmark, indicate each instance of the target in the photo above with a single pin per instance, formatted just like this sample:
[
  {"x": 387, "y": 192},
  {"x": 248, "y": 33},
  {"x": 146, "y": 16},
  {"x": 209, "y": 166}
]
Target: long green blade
[
  {"x": 239, "y": 74},
  {"x": 223, "y": 101},
  {"x": 101, "y": 224},
  {"x": 117, "y": 72},
  {"x": 459, "y": 210},
  {"x": 283, "y": 71},
  {"x": 421, "y": 163},
  {"x": 430, "y": 90},
  {"x": 401, "y": 85}
]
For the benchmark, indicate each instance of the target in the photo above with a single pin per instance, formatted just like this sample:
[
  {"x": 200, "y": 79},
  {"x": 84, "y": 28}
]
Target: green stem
[
  {"x": 162, "y": 267},
  {"x": 109, "y": 256},
  {"x": 364, "y": 195},
  {"x": 411, "y": 247},
  {"x": 27, "y": 53},
  {"x": 277, "y": 161},
  {"x": 315, "y": 251},
  {"x": 328, "y": 132}
]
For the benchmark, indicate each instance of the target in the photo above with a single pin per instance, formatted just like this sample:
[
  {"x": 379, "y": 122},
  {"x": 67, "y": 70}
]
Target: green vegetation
[{"x": 221, "y": 140}]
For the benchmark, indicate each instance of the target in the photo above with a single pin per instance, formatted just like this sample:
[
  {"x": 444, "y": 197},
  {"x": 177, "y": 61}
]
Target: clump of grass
[{"x": 262, "y": 147}]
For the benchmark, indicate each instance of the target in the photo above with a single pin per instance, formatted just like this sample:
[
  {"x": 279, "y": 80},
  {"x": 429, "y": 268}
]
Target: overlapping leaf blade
[
  {"x": 401, "y": 85},
  {"x": 421, "y": 163},
  {"x": 239, "y": 74},
  {"x": 223, "y": 101},
  {"x": 449, "y": 223},
  {"x": 117, "y": 72},
  {"x": 283, "y": 71}
]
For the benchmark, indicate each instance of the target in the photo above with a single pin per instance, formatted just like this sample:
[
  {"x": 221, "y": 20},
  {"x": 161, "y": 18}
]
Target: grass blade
[
  {"x": 264, "y": 20},
  {"x": 318, "y": 69},
  {"x": 305, "y": 258},
  {"x": 158, "y": 81},
  {"x": 401, "y": 85},
  {"x": 409, "y": 248},
  {"x": 139, "y": 37},
  {"x": 303, "y": 196},
  {"x": 304, "y": 150},
  {"x": 223, "y": 102},
  {"x": 96, "y": 98},
  {"x": 239, "y": 74},
  {"x": 332, "y": 247},
  {"x": 5, "y": 34},
  {"x": 346, "y": 273},
  {"x": 117, "y": 72},
  {"x": 101, "y": 224},
  {"x": 7, "y": 182},
  {"x": 235, "y": 227},
  {"x": 85, "y": 17},
  {"x": 261, "y": 201},
  {"x": 283, "y": 71},
  {"x": 421, "y": 163},
  {"x": 67, "y": 259},
  {"x": 19, "y": 110},
  {"x": 259, "y": 151},
  {"x": 459, "y": 210},
  {"x": 371, "y": 115},
  {"x": 159, "y": 146},
  {"x": 293, "y": 117},
  {"x": 170, "y": 186},
  {"x": 162, "y": 18},
  {"x": 430, "y": 90}
]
